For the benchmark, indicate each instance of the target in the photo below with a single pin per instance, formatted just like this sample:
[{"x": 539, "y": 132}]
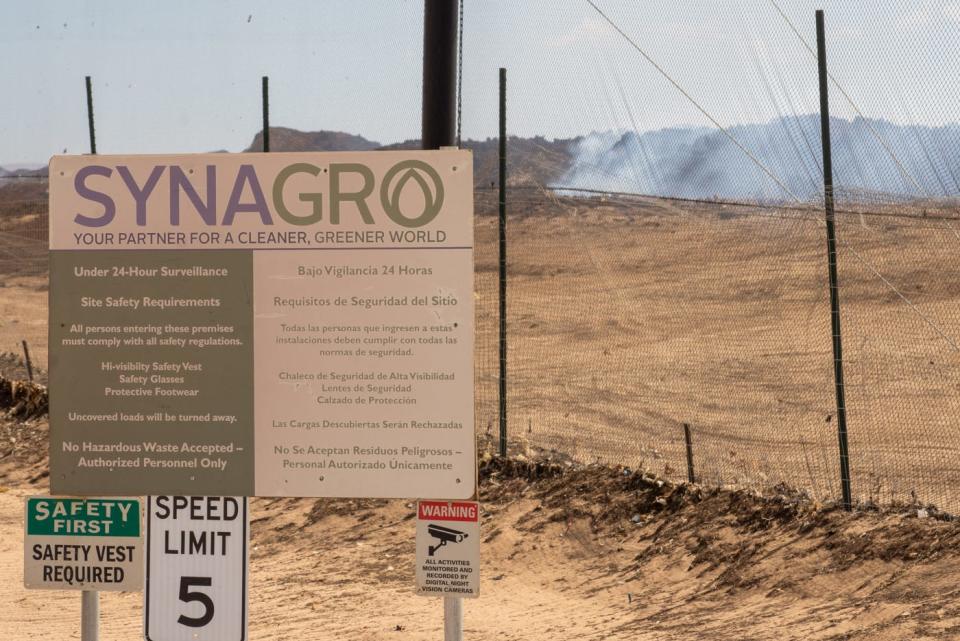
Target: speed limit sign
[{"x": 196, "y": 579}]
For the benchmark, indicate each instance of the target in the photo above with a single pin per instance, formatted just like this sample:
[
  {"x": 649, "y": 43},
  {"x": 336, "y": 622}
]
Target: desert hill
[{"x": 531, "y": 161}]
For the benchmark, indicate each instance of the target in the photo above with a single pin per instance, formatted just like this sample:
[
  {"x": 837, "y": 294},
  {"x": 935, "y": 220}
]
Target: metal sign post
[
  {"x": 90, "y": 600},
  {"x": 452, "y": 618},
  {"x": 439, "y": 99},
  {"x": 89, "y": 615}
]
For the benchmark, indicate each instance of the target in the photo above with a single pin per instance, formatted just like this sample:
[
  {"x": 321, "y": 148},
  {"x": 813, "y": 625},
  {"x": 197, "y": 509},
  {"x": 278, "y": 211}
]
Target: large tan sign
[{"x": 262, "y": 324}]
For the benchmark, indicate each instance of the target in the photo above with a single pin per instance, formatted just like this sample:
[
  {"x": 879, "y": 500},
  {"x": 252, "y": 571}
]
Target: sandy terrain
[{"x": 568, "y": 553}]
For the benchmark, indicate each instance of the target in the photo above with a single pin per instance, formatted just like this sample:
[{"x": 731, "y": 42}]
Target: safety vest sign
[
  {"x": 448, "y": 548},
  {"x": 82, "y": 544}
]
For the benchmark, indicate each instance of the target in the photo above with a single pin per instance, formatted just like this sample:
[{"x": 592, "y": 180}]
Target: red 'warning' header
[{"x": 448, "y": 511}]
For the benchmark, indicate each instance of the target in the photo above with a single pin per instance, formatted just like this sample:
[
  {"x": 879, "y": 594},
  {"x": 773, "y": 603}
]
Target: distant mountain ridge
[
  {"x": 287, "y": 139},
  {"x": 687, "y": 162},
  {"x": 23, "y": 173},
  {"x": 531, "y": 161}
]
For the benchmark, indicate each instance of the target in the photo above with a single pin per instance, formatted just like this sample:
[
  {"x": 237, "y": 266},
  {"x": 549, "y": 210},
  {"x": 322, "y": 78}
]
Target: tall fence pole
[
  {"x": 93, "y": 135},
  {"x": 266, "y": 114},
  {"x": 503, "y": 262},
  {"x": 438, "y": 130},
  {"x": 832, "y": 265},
  {"x": 89, "y": 599}
]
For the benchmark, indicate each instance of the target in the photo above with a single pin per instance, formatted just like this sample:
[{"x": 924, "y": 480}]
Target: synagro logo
[
  {"x": 397, "y": 179},
  {"x": 348, "y": 189}
]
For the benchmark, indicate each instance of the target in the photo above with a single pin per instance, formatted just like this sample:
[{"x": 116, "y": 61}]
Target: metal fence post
[
  {"x": 503, "y": 262},
  {"x": 26, "y": 360},
  {"x": 686, "y": 436},
  {"x": 266, "y": 114},
  {"x": 832, "y": 265},
  {"x": 93, "y": 136}
]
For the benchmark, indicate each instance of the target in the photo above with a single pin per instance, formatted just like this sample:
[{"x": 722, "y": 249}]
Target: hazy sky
[{"x": 184, "y": 75}]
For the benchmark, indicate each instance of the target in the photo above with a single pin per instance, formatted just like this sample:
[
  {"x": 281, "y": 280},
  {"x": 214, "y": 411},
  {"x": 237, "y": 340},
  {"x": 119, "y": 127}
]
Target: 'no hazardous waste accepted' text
[{"x": 262, "y": 324}]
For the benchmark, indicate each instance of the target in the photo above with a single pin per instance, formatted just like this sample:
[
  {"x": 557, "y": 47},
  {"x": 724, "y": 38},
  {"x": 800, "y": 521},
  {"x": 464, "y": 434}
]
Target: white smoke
[{"x": 705, "y": 163}]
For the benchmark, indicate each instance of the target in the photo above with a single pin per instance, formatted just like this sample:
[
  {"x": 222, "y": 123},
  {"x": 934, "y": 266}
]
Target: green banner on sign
[{"x": 83, "y": 517}]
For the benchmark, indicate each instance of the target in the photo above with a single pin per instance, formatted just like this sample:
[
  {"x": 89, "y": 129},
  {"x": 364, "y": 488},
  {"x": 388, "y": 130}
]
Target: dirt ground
[{"x": 569, "y": 552}]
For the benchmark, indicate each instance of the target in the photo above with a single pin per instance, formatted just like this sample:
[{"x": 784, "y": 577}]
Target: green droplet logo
[{"x": 411, "y": 174}]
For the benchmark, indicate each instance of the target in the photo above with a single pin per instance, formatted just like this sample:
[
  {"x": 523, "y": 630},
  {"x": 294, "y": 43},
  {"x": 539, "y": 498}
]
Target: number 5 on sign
[
  {"x": 186, "y": 595},
  {"x": 196, "y": 583}
]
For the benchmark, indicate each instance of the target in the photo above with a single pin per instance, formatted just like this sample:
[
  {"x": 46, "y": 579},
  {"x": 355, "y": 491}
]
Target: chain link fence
[
  {"x": 676, "y": 272},
  {"x": 665, "y": 276},
  {"x": 23, "y": 271},
  {"x": 632, "y": 316},
  {"x": 629, "y": 317}
]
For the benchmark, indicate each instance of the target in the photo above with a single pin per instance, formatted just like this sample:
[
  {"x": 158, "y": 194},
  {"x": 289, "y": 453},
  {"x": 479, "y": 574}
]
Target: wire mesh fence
[
  {"x": 706, "y": 301},
  {"x": 901, "y": 311},
  {"x": 24, "y": 277},
  {"x": 630, "y": 317},
  {"x": 667, "y": 256}
]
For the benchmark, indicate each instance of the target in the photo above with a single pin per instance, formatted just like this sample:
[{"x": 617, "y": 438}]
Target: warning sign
[
  {"x": 448, "y": 548},
  {"x": 196, "y": 568},
  {"x": 82, "y": 544}
]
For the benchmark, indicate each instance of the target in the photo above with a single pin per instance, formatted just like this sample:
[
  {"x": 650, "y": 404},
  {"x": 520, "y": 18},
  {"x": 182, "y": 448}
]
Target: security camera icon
[{"x": 445, "y": 534}]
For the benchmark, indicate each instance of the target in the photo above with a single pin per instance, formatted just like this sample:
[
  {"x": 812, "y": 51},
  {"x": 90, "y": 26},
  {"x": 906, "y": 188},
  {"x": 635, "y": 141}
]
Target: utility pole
[{"x": 439, "y": 73}]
